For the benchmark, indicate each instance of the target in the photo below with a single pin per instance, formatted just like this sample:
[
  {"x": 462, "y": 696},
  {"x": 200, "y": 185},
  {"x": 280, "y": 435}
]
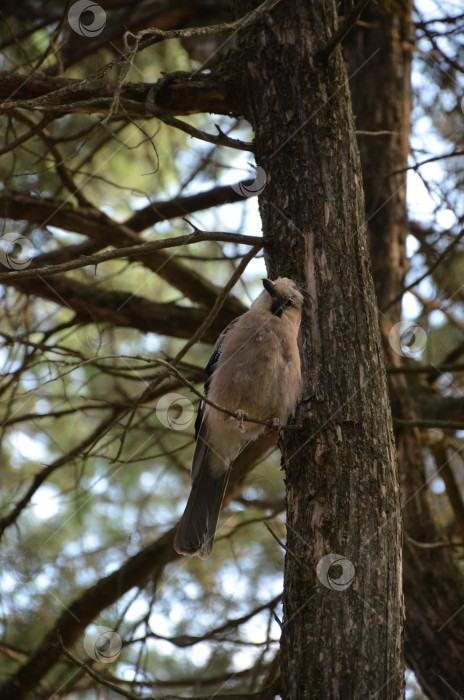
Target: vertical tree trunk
[
  {"x": 341, "y": 636},
  {"x": 433, "y": 585}
]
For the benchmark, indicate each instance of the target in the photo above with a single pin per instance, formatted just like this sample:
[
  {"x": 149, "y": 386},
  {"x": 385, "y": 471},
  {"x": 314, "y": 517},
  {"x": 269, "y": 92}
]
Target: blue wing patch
[
  {"x": 208, "y": 373},
  {"x": 211, "y": 366}
]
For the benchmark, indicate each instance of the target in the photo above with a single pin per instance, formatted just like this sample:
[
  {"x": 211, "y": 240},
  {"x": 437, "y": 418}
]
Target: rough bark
[
  {"x": 342, "y": 492},
  {"x": 433, "y": 585}
]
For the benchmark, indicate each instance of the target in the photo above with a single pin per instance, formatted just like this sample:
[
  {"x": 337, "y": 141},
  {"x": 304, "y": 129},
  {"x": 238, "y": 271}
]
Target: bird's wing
[{"x": 209, "y": 370}]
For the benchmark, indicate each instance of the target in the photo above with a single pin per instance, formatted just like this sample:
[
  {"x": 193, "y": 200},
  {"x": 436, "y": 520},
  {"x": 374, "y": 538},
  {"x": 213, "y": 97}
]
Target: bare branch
[
  {"x": 124, "y": 309},
  {"x": 181, "y": 96},
  {"x": 131, "y": 252}
]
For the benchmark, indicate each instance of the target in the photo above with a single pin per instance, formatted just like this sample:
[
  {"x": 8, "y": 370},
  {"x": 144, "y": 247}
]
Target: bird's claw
[
  {"x": 273, "y": 426},
  {"x": 240, "y": 416}
]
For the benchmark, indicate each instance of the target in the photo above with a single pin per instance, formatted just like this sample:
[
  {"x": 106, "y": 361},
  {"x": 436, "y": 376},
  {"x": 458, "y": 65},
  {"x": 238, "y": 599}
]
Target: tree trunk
[
  {"x": 433, "y": 585},
  {"x": 341, "y": 636}
]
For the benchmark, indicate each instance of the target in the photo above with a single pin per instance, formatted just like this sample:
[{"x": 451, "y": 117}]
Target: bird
[{"x": 254, "y": 371}]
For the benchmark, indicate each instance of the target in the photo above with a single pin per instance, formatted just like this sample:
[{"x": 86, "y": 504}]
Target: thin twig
[
  {"x": 268, "y": 693},
  {"x": 217, "y": 140},
  {"x": 424, "y": 162},
  {"x": 218, "y": 304},
  {"x": 173, "y": 370},
  {"x": 431, "y": 545},
  {"x": 157, "y": 35},
  {"x": 285, "y": 548},
  {"x": 342, "y": 30},
  {"x": 437, "y": 262},
  {"x": 426, "y": 369},
  {"x": 424, "y": 423},
  {"x": 96, "y": 676}
]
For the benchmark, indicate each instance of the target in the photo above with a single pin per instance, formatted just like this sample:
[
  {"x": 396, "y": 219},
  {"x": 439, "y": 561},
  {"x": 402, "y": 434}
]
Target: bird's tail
[{"x": 195, "y": 532}]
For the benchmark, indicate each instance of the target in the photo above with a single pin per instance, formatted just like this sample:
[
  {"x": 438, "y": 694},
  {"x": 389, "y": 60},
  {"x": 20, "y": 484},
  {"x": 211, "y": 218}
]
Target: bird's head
[{"x": 282, "y": 297}]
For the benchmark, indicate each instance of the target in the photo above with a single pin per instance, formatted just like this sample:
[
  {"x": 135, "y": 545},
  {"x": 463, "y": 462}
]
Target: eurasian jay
[{"x": 254, "y": 371}]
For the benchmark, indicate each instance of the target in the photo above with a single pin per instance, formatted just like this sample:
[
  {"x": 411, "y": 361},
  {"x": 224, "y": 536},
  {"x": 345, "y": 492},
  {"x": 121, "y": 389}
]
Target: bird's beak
[{"x": 269, "y": 286}]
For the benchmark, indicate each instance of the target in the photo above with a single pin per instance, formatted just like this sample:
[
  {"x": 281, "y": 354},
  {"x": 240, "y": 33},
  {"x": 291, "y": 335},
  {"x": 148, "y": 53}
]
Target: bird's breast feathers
[{"x": 259, "y": 368}]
